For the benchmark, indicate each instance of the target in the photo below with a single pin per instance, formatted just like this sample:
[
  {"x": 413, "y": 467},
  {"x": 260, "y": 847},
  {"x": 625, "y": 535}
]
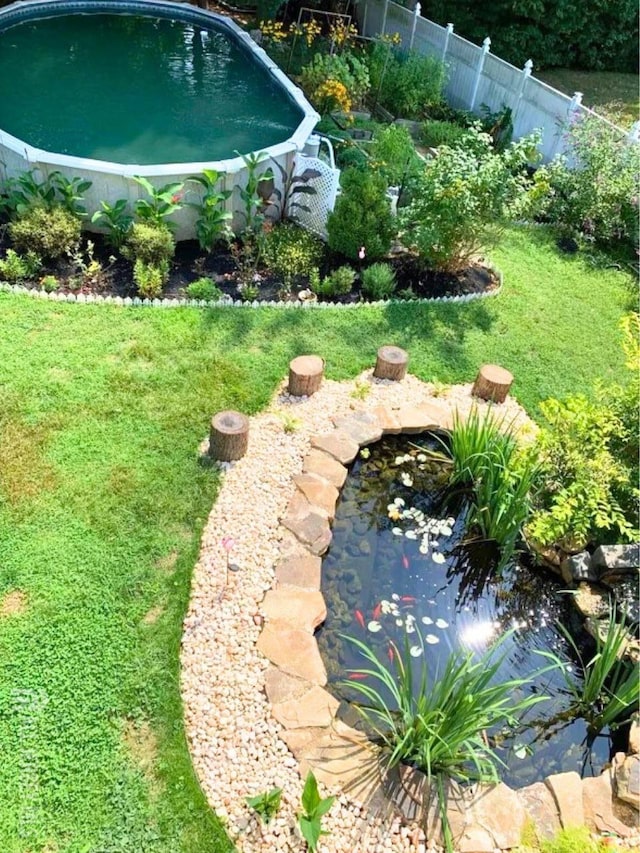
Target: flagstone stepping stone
[
  {"x": 387, "y": 418},
  {"x": 281, "y": 687},
  {"x": 316, "y": 707},
  {"x": 303, "y": 572},
  {"x": 338, "y": 444},
  {"x": 295, "y": 652},
  {"x": 363, "y": 427},
  {"x": 302, "y": 609},
  {"x": 567, "y": 792},
  {"x": 325, "y": 466},
  {"x": 541, "y": 808},
  {"x": 319, "y": 492},
  {"x": 414, "y": 419}
]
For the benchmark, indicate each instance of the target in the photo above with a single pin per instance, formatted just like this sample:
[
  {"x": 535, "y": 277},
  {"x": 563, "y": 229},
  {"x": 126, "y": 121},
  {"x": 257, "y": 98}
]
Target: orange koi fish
[{"x": 359, "y": 618}]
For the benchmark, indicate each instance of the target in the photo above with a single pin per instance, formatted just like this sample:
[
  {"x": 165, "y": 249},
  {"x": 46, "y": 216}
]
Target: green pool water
[{"x": 137, "y": 89}]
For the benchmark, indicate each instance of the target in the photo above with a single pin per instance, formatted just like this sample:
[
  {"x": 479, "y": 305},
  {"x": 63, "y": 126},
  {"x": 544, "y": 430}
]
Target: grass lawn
[
  {"x": 102, "y": 504},
  {"x": 613, "y": 94}
]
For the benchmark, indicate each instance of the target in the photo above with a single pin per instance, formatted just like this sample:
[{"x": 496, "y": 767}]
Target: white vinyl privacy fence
[{"x": 476, "y": 77}]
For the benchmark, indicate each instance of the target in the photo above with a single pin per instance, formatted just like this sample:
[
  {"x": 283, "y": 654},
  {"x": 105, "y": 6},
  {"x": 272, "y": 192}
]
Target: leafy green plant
[
  {"x": 346, "y": 69},
  {"x": 379, "y": 281},
  {"x": 594, "y": 186},
  {"x": 88, "y": 270},
  {"x": 253, "y": 200},
  {"x": 69, "y": 192},
  {"x": 362, "y": 216},
  {"x": 48, "y": 232},
  {"x": 149, "y": 242},
  {"x": 609, "y": 691},
  {"x": 203, "y": 288},
  {"x": 393, "y": 154},
  {"x": 437, "y": 722},
  {"x": 436, "y": 133},
  {"x": 573, "y": 839},
  {"x": 405, "y": 83},
  {"x": 212, "y": 224},
  {"x": 290, "y": 251},
  {"x": 498, "y": 124},
  {"x": 463, "y": 197},
  {"x": 337, "y": 283},
  {"x": 150, "y": 278},
  {"x": 160, "y": 204},
  {"x": 361, "y": 390},
  {"x": 15, "y": 268},
  {"x": 49, "y": 283},
  {"x": 116, "y": 219},
  {"x": 314, "y": 808},
  {"x": 24, "y": 192},
  {"x": 579, "y": 479},
  {"x": 266, "y": 804}
]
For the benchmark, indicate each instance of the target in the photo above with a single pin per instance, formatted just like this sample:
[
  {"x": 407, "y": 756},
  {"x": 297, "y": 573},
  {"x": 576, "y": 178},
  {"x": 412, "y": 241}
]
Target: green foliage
[
  {"x": 203, "y": 288},
  {"x": 16, "y": 268},
  {"x": 436, "y": 722},
  {"x": 345, "y": 68},
  {"x": 48, "y": 232},
  {"x": 405, "y": 83},
  {"x": 379, "y": 281},
  {"x": 266, "y": 805},
  {"x": 49, "y": 283},
  {"x": 290, "y": 251},
  {"x": 575, "y": 499},
  {"x": 337, "y": 283},
  {"x": 149, "y": 242},
  {"x": 313, "y": 810},
  {"x": 116, "y": 219},
  {"x": 573, "y": 839},
  {"x": 436, "y": 133},
  {"x": 212, "y": 224},
  {"x": 150, "y": 278},
  {"x": 487, "y": 459},
  {"x": 610, "y": 689},
  {"x": 594, "y": 188},
  {"x": 160, "y": 204},
  {"x": 25, "y": 192},
  {"x": 69, "y": 192},
  {"x": 252, "y": 199},
  {"x": 498, "y": 124},
  {"x": 462, "y": 197},
  {"x": 596, "y": 34},
  {"x": 393, "y": 154},
  {"x": 362, "y": 216}
]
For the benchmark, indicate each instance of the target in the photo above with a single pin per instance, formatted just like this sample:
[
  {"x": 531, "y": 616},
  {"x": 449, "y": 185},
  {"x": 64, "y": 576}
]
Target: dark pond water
[
  {"x": 137, "y": 89},
  {"x": 383, "y": 585}
]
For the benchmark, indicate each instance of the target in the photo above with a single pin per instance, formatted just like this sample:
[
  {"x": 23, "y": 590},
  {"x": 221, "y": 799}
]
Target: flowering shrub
[
  {"x": 341, "y": 33},
  {"x": 331, "y": 95},
  {"x": 345, "y": 68},
  {"x": 463, "y": 194}
]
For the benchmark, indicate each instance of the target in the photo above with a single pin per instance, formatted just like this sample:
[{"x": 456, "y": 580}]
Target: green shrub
[
  {"x": 594, "y": 187},
  {"x": 15, "y": 268},
  {"x": 407, "y": 84},
  {"x": 337, "y": 283},
  {"x": 49, "y": 283},
  {"x": 291, "y": 251},
  {"x": 436, "y": 133},
  {"x": 344, "y": 68},
  {"x": 351, "y": 157},
  {"x": 150, "y": 278},
  {"x": 379, "y": 281},
  {"x": 362, "y": 216},
  {"x": 394, "y": 155},
  {"x": 150, "y": 243},
  {"x": 573, "y": 839},
  {"x": 49, "y": 233},
  {"x": 463, "y": 196},
  {"x": 203, "y": 288}
]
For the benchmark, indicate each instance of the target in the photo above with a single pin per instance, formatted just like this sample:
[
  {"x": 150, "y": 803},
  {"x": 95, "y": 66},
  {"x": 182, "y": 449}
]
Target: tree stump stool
[
  {"x": 391, "y": 363},
  {"x": 305, "y": 375},
  {"x": 229, "y": 436},
  {"x": 492, "y": 383}
]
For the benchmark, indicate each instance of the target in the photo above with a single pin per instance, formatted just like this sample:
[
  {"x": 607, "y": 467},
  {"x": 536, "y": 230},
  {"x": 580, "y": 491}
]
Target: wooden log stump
[
  {"x": 305, "y": 375},
  {"x": 391, "y": 363},
  {"x": 492, "y": 383},
  {"x": 229, "y": 436}
]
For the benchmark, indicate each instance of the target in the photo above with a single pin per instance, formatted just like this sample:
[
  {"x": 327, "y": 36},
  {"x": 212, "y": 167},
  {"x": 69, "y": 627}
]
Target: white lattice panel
[{"x": 312, "y": 193}]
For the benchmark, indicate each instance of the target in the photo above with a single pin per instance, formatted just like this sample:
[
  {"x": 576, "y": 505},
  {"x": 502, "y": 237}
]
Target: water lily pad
[
  {"x": 374, "y": 626},
  {"x": 415, "y": 651},
  {"x": 431, "y": 639},
  {"x": 442, "y": 623},
  {"x": 426, "y": 620}
]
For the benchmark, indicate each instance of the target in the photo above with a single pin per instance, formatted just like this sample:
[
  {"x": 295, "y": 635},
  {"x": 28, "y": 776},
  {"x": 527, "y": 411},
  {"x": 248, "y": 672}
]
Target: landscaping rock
[
  {"x": 567, "y": 792},
  {"x": 387, "y": 419},
  {"x": 415, "y": 419},
  {"x": 627, "y": 775},
  {"x": 302, "y": 609},
  {"x": 325, "y": 466},
  {"x": 607, "y": 558},
  {"x": 281, "y": 687},
  {"x": 319, "y": 492},
  {"x": 578, "y": 568},
  {"x": 592, "y": 600},
  {"x": 363, "y": 427},
  {"x": 316, "y": 707},
  {"x": 634, "y": 735},
  {"x": 338, "y": 444},
  {"x": 303, "y": 572},
  {"x": 498, "y": 810},
  {"x": 597, "y": 801},
  {"x": 541, "y": 807},
  {"x": 309, "y": 525},
  {"x": 295, "y": 652}
]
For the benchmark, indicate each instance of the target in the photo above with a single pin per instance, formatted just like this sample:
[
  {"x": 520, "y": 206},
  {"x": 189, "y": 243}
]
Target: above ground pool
[{"x": 107, "y": 90}]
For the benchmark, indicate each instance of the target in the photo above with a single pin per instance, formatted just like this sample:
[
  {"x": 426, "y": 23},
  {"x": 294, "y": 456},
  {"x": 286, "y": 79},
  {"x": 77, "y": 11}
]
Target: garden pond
[{"x": 399, "y": 572}]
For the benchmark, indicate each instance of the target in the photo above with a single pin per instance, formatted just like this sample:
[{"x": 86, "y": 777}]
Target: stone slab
[
  {"x": 302, "y": 609},
  {"x": 628, "y": 780},
  {"x": 567, "y": 793},
  {"x": 577, "y": 568},
  {"x": 363, "y": 427},
  {"x": 282, "y": 687},
  {"x": 387, "y": 419},
  {"x": 499, "y": 811},
  {"x": 610, "y": 557},
  {"x": 309, "y": 526},
  {"x": 295, "y": 652},
  {"x": 337, "y": 444},
  {"x": 325, "y": 466},
  {"x": 541, "y": 807},
  {"x": 415, "y": 419},
  {"x": 320, "y": 493},
  {"x": 303, "y": 572},
  {"x": 597, "y": 802},
  {"x": 316, "y": 707},
  {"x": 591, "y": 600}
]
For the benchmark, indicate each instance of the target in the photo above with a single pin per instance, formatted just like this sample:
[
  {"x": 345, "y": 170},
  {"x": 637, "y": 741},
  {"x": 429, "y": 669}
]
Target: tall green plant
[
  {"x": 160, "y": 204},
  {"x": 252, "y": 199},
  {"x": 212, "y": 223},
  {"x": 116, "y": 219},
  {"x": 314, "y": 807}
]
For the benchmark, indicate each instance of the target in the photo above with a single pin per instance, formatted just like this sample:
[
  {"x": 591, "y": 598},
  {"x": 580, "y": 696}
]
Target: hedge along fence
[{"x": 476, "y": 77}]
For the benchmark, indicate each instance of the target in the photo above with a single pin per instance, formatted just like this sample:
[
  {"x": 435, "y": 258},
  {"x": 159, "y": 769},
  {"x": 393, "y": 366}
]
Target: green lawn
[
  {"x": 613, "y": 94},
  {"x": 102, "y": 504}
]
